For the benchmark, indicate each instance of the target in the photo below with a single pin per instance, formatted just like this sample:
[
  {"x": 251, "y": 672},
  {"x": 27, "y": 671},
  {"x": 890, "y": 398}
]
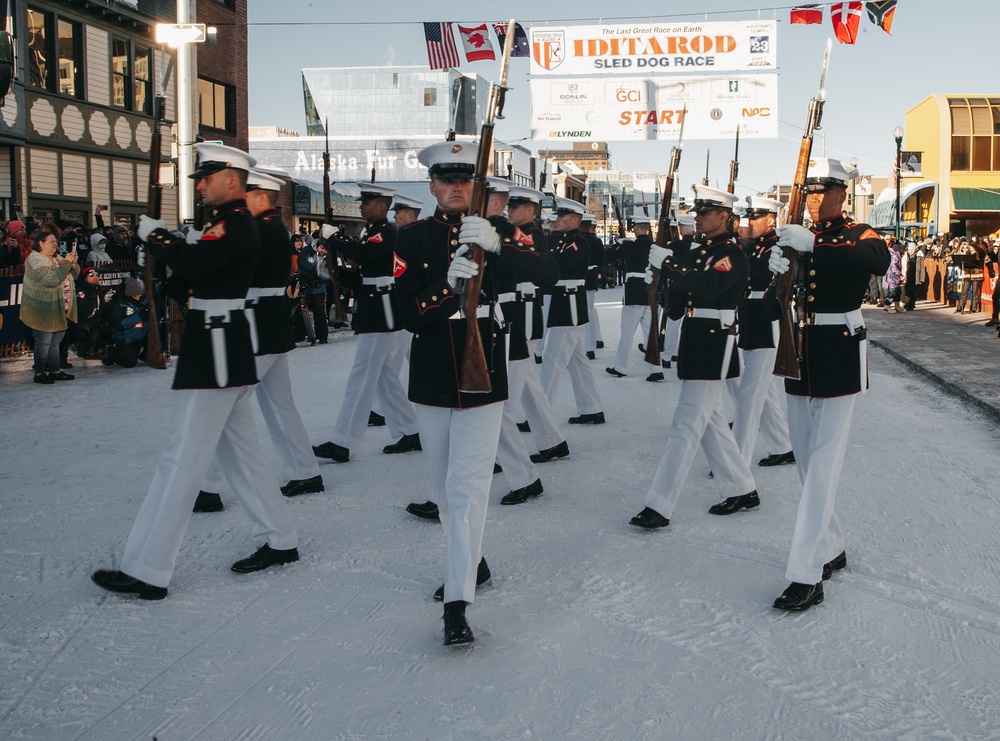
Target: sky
[{"x": 934, "y": 48}]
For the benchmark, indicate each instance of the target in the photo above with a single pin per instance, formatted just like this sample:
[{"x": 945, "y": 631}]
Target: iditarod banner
[{"x": 616, "y": 109}]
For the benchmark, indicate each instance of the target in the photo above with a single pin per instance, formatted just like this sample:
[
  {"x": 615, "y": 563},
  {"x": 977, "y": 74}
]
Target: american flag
[{"x": 441, "y": 50}]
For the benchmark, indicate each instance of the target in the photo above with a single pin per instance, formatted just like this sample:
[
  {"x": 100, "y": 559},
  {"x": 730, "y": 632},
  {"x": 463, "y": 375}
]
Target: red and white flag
[
  {"x": 846, "y": 17},
  {"x": 441, "y": 50},
  {"x": 476, "y": 43},
  {"x": 806, "y": 15}
]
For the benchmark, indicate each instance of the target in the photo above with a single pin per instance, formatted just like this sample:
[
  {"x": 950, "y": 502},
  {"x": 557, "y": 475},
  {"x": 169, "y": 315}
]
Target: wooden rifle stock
[
  {"x": 475, "y": 377},
  {"x": 331, "y": 254},
  {"x": 154, "y": 348}
]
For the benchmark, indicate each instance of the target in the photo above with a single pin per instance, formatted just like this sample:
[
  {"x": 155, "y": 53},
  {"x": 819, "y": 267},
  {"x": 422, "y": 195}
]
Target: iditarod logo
[{"x": 548, "y": 48}]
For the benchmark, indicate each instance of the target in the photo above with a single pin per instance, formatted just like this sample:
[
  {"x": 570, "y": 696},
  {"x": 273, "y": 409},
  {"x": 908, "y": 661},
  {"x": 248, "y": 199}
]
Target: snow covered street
[{"x": 590, "y": 628}]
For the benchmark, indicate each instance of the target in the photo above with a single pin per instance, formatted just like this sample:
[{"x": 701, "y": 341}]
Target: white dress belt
[
  {"x": 217, "y": 306},
  {"x": 757, "y": 294},
  {"x": 527, "y": 290},
  {"x": 852, "y": 319},
  {"x": 504, "y": 298},
  {"x": 635, "y": 275},
  {"x": 255, "y": 294},
  {"x": 570, "y": 283},
  {"x": 483, "y": 312},
  {"x": 381, "y": 281}
]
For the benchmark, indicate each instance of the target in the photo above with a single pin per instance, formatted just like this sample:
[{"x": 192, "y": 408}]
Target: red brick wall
[{"x": 226, "y": 61}]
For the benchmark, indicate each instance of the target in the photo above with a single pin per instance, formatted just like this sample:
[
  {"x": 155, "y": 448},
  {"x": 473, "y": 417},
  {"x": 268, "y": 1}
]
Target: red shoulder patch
[
  {"x": 398, "y": 265},
  {"x": 375, "y": 238},
  {"x": 870, "y": 234},
  {"x": 522, "y": 237},
  {"x": 724, "y": 265},
  {"x": 216, "y": 232}
]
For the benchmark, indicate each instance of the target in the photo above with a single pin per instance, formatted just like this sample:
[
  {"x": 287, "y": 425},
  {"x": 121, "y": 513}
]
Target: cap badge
[{"x": 456, "y": 149}]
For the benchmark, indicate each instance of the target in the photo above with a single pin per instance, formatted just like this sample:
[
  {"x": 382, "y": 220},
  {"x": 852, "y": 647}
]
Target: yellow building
[{"x": 958, "y": 188}]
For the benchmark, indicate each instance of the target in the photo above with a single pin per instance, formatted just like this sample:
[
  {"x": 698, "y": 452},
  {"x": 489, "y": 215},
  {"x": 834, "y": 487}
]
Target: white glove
[
  {"x": 477, "y": 230},
  {"x": 460, "y": 270},
  {"x": 140, "y": 256},
  {"x": 657, "y": 255},
  {"x": 328, "y": 230},
  {"x": 648, "y": 277},
  {"x": 193, "y": 236},
  {"x": 797, "y": 237},
  {"x": 148, "y": 225},
  {"x": 776, "y": 263}
]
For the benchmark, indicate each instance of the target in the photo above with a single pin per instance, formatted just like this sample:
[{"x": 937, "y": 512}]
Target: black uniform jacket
[
  {"x": 596, "y": 264},
  {"x": 757, "y": 315},
  {"x": 712, "y": 275},
  {"x": 676, "y": 299},
  {"x": 635, "y": 255},
  {"x": 427, "y": 304},
  {"x": 545, "y": 273},
  {"x": 533, "y": 303},
  {"x": 219, "y": 266},
  {"x": 374, "y": 253},
  {"x": 837, "y": 272},
  {"x": 274, "y": 267},
  {"x": 572, "y": 254}
]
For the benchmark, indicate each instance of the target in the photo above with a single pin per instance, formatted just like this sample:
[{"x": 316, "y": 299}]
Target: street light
[
  {"x": 897, "y": 134},
  {"x": 854, "y": 189}
]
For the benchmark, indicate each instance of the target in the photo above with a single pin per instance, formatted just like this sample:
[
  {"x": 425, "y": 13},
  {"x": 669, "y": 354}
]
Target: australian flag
[{"x": 520, "y": 38}]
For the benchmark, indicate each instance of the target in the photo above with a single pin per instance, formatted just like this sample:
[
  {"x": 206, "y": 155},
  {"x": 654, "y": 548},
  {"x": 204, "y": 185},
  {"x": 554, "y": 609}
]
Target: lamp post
[
  {"x": 897, "y": 134},
  {"x": 854, "y": 190}
]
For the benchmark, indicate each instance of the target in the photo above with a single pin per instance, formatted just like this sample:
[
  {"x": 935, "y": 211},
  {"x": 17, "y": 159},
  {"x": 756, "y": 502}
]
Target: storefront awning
[
  {"x": 883, "y": 213},
  {"x": 978, "y": 200}
]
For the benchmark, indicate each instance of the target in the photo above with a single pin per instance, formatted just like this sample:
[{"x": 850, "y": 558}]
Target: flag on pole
[
  {"x": 881, "y": 14},
  {"x": 476, "y": 42},
  {"x": 845, "y": 18},
  {"x": 520, "y": 38},
  {"x": 806, "y": 15},
  {"x": 441, "y": 50}
]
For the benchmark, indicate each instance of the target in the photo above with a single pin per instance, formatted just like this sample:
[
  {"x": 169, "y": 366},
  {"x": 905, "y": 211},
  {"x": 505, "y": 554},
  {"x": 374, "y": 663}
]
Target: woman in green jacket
[{"x": 47, "y": 301}]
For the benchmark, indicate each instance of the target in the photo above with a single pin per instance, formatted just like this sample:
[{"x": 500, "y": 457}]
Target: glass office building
[{"x": 377, "y": 102}]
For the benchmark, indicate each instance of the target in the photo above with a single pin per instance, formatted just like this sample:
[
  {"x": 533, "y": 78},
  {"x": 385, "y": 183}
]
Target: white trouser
[
  {"x": 205, "y": 421},
  {"x": 632, "y": 317},
  {"x": 564, "y": 348},
  {"x": 460, "y": 446},
  {"x": 672, "y": 339},
  {"x": 759, "y": 406},
  {"x": 284, "y": 425},
  {"x": 698, "y": 417},
  {"x": 400, "y": 354},
  {"x": 819, "y": 429},
  {"x": 523, "y": 384},
  {"x": 512, "y": 455},
  {"x": 593, "y": 328},
  {"x": 374, "y": 374}
]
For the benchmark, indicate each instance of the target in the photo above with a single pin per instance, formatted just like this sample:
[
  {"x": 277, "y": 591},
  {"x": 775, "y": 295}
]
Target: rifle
[
  {"x": 704, "y": 180},
  {"x": 662, "y": 231},
  {"x": 475, "y": 373},
  {"x": 331, "y": 255},
  {"x": 789, "y": 357},
  {"x": 374, "y": 160},
  {"x": 154, "y": 349},
  {"x": 734, "y": 172},
  {"x": 618, "y": 215}
]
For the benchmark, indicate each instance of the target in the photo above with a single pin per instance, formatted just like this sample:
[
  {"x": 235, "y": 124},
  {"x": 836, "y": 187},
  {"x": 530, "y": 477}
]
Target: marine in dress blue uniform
[
  {"x": 592, "y": 338},
  {"x": 838, "y": 258},
  {"x": 215, "y": 375},
  {"x": 712, "y": 278},
  {"x": 635, "y": 298}
]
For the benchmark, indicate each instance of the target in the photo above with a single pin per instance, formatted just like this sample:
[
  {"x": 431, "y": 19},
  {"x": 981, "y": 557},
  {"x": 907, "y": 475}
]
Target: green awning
[{"x": 976, "y": 199}]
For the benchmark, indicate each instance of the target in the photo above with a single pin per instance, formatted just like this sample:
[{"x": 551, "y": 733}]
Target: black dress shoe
[
  {"x": 778, "y": 459},
  {"x": 992, "y": 323},
  {"x": 600, "y": 344},
  {"x": 523, "y": 427},
  {"x": 497, "y": 469},
  {"x": 61, "y": 376},
  {"x": 642, "y": 348},
  {"x": 207, "y": 501},
  {"x": 835, "y": 565},
  {"x": 483, "y": 575},
  {"x": 590, "y": 355},
  {"x": 649, "y": 519},
  {"x": 44, "y": 378},
  {"x": 665, "y": 364},
  {"x": 519, "y": 496},
  {"x": 116, "y": 581},
  {"x": 375, "y": 420},
  {"x": 265, "y": 557},
  {"x": 405, "y": 444},
  {"x": 653, "y": 377},
  {"x": 597, "y": 418},
  {"x": 615, "y": 372},
  {"x": 336, "y": 453},
  {"x": 735, "y": 504},
  {"x": 426, "y": 511},
  {"x": 303, "y": 486},
  {"x": 800, "y": 596},
  {"x": 550, "y": 454},
  {"x": 456, "y": 628}
]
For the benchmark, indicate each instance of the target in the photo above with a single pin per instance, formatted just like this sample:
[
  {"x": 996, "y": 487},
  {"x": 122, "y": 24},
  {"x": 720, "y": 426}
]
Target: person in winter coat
[
  {"x": 914, "y": 274},
  {"x": 48, "y": 301},
  {"x": 98, "y": 250},
  {"x": 129, "y": 326},
  {"x": 892, "y": 282},
  {"x": 17, "y": 231}
]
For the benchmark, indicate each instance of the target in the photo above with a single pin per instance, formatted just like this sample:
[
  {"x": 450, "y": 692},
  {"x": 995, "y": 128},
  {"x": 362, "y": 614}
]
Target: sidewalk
[{"x": 956, "y": 351}]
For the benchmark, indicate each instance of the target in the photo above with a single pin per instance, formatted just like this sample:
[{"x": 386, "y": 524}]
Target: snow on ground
[{"x": 591, "y": 629}]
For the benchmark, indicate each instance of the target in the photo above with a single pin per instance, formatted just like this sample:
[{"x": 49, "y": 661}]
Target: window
[
  {"x": 430, "y": 96},
  {"x": 216, "y": 104},
  {"x": 55, "y": 53},
  {"x": 131, "y": 71},
  {"x": 975, "y": 134}
]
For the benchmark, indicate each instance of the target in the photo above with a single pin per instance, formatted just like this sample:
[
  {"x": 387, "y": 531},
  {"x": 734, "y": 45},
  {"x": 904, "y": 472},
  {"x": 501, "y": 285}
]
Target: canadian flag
[
  {"x": 846, "y": 17},
  {"x": 476, "y": 42}
]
